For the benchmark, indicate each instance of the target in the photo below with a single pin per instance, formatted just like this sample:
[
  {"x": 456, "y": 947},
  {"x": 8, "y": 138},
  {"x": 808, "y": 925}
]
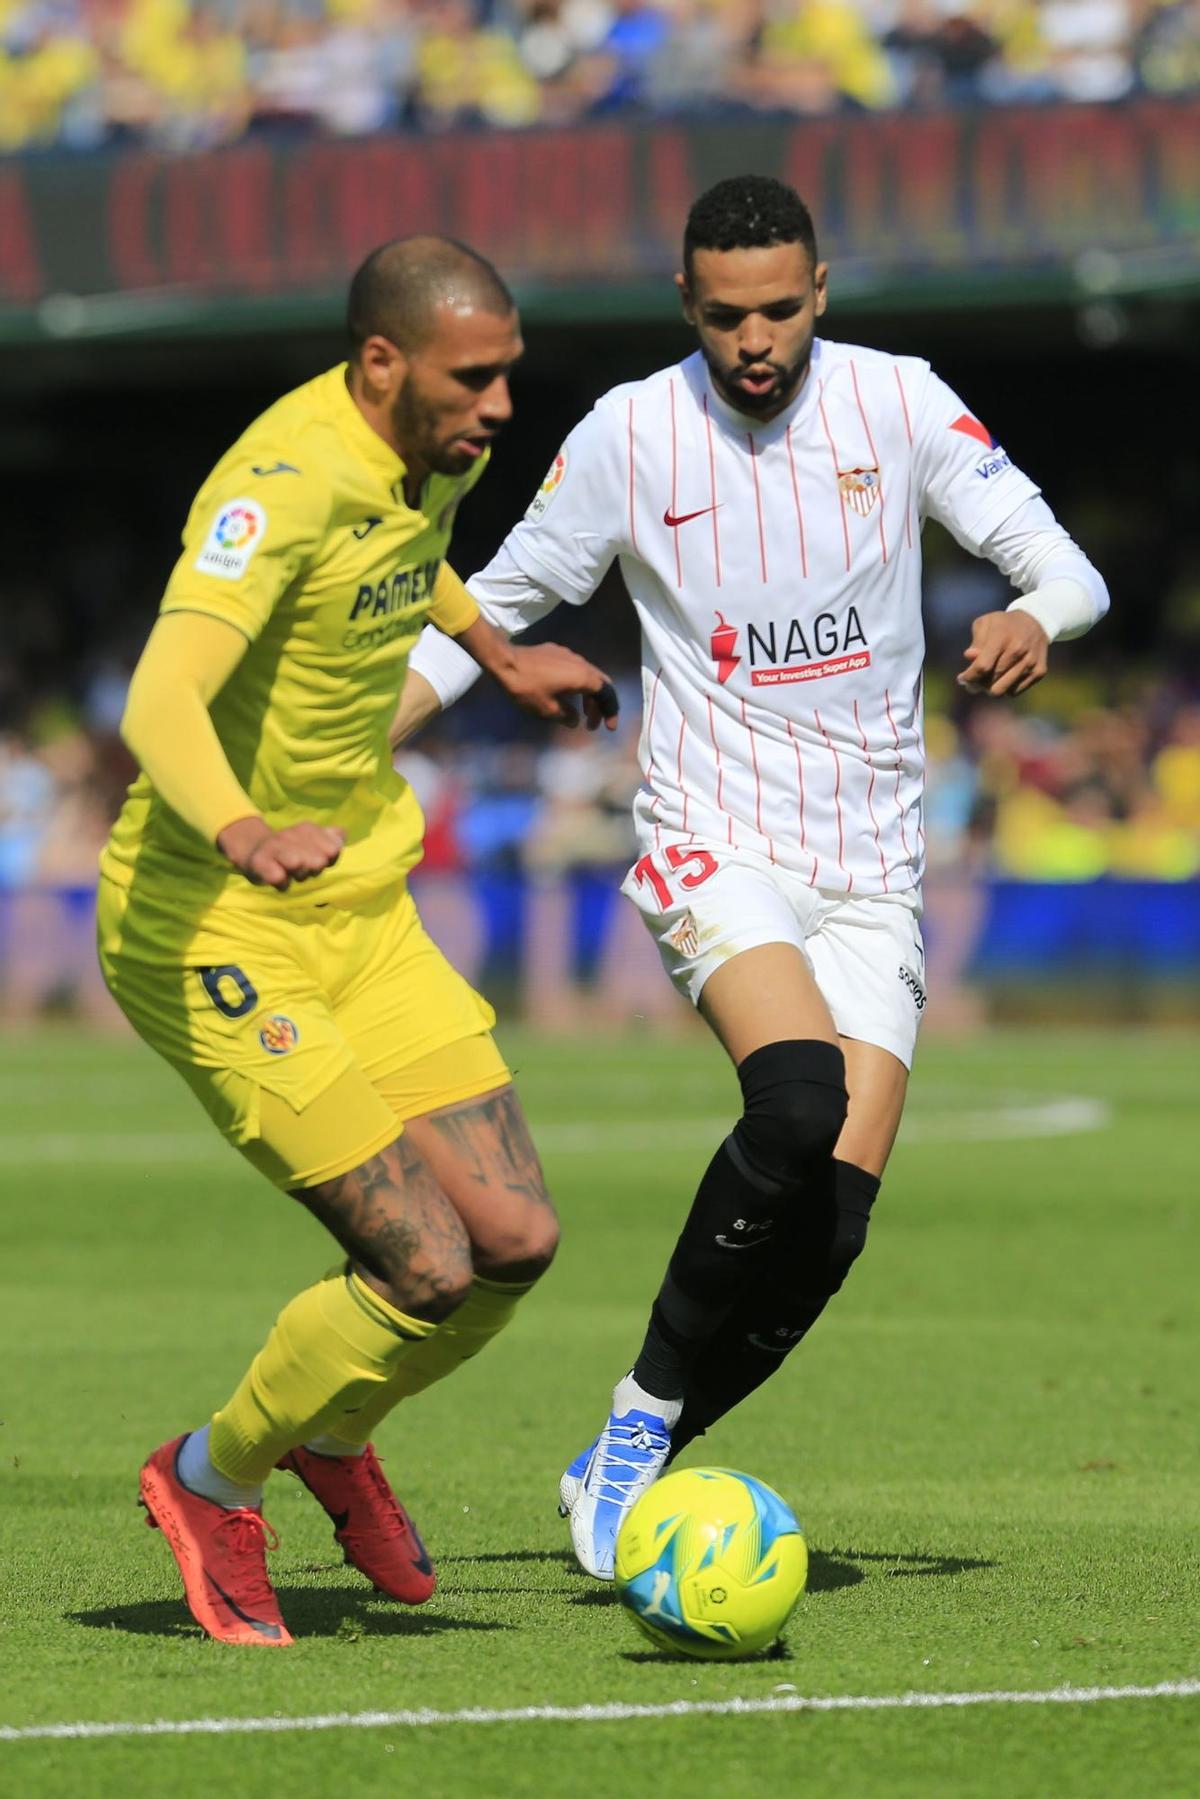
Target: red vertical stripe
[
  {"x": 674, "y": 474},
  {"x": 909, "y": 429},
  {"x": 837, "y": 802},
  {"x": 757, "y": 783},
  {"x": 799, "y": 508},
  {"x": 712, "y": 732},
  {"x": 870, "y": 794},
  {"x": 800, "y": 783},
  {"x": 917, "y": 698},
  {"x": 679, "y": 768},
  {"x": 837, "y": 484},
  {"x": 712, "y": 489},
  {"x": 862, "y": 413},
  {"x": 887, "y": 700},
  {"x": 657, "y": 799},
  {"x": 632, "y": 522},
  {"x": 762, "y": 541}
]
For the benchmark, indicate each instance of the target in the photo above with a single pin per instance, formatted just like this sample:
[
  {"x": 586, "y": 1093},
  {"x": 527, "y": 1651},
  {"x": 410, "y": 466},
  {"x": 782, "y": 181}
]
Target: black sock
[
  {"x": 770, "y": 1318},
  {"x": 795, "y": 1101}
]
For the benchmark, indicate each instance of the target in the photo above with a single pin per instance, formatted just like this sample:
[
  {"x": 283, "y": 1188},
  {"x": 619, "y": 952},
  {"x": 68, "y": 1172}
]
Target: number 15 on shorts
[{"x": 690, "y": 866}]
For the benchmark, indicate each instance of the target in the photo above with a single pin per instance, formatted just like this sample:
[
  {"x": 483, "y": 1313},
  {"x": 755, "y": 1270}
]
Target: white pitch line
[
  {"x": 616, "y": 1713},
  {"x": 1065, "y": 1115}
]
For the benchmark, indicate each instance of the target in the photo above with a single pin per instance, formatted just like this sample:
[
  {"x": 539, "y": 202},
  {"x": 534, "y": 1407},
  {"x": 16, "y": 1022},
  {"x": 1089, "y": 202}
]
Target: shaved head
[{"x": 401, "y": 287}]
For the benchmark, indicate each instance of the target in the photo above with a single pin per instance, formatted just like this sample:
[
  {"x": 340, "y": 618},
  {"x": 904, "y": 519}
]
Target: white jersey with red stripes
[{"x": 776, "y": 573}]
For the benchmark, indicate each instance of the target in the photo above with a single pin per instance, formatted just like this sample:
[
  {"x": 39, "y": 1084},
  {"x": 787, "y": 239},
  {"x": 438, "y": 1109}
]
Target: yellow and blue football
[{"x": 710, "y": 1563}]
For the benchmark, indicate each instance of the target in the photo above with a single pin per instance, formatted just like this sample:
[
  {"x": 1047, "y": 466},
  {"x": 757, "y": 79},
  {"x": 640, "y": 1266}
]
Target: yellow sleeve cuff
[{"x": 453, "y": 610}]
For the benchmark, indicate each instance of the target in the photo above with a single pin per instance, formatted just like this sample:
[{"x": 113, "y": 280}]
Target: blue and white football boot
[
  {"x": 572, "y": 1480},
  {"x": 602, "y": 1484}
]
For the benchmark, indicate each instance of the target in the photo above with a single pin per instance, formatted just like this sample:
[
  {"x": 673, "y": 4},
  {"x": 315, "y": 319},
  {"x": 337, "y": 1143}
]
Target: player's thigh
[
  {"x": 731, "y": 932},
  {"x": 238, "y": 1011},
  {"x": 869, "y": 962},
  {"x": 765, "y": 995},
  {"x": 416, "y": 1027},
  {"x": 423, "y": 1036},
  {"x": 484, "y": 1158}
]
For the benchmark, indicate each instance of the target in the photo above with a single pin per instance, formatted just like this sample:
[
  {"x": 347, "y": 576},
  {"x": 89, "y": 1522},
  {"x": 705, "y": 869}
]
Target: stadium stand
[{"x": 86, "y": 74}]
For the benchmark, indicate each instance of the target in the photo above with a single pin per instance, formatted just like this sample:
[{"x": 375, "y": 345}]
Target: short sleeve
[
  {"x": 254, "y": 526},
  {"x": 573, "y": 526},
  {"x": 454, "y": 610},
  {"x": 962, "y": 476}
]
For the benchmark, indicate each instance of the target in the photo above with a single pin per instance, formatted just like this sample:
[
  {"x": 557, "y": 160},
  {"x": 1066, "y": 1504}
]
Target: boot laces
[{"x": 244, "y": 1537}]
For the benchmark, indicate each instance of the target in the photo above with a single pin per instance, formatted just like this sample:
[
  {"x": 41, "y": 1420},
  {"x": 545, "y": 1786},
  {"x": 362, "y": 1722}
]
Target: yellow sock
[
  {"x": 483, "y": 1314},
  {"x": 332, "y": 1348}
]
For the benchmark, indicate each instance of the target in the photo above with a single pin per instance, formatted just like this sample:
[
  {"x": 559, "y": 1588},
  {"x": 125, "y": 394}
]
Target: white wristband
[{"x": 1062, "y": 607}]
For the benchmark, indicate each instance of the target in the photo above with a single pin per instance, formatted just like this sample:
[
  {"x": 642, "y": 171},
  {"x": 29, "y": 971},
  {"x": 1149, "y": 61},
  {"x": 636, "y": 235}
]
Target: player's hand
[
  {"x": 1008, "y": 653},
  {"x": 548, "y": 679},
  {"x": 277, "y": 858}
]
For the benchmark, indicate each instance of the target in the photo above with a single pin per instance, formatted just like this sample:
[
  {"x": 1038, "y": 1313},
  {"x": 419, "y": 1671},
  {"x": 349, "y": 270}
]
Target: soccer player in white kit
[{"x": 765, "y": 499}]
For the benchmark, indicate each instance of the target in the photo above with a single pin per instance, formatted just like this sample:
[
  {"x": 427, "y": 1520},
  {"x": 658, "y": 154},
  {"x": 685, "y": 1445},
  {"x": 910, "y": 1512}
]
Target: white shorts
[{"x": 705, "y": 902}]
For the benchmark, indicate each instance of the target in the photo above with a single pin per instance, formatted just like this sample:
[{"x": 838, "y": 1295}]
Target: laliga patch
[
  {"x": 278, "y": 1035},
  {"x": 548, "y": 489},
  {"x": 235, "y": 534}
]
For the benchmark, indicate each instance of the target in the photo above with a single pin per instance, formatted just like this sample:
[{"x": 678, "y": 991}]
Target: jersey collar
[
  {"x": 733, "y": 420},
  {"x": 354, "y": 429}
]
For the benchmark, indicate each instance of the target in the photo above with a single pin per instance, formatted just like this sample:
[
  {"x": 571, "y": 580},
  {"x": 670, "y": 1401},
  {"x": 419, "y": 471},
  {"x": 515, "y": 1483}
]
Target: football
[{"x": 710, "y": 1563}]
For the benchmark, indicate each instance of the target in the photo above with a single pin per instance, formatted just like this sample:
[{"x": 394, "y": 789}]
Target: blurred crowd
[
  {"x": 184, "y": 74},
  {"x": 1070, "y": 785}
]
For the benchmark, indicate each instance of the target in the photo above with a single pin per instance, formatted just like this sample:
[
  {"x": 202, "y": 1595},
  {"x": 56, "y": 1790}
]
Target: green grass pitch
[{"x": 990, "y": 1440}]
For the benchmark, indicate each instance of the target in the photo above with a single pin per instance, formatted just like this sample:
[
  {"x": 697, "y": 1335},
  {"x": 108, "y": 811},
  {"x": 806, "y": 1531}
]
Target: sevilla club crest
[{"x": 860, "y": 488}]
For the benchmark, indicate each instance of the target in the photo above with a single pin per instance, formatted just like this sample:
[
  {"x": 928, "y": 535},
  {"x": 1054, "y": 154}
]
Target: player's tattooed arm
[{"x": 399, "y": 1229}]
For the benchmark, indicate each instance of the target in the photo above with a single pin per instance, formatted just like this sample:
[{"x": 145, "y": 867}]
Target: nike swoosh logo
[
  {"x": 366, "y": 528},
  {"x": 277, "y": 468},
  {"x": 264, "y": 1629},
  {"x": 752, "y": 1243},
  {"x": 674, "y": 521}
]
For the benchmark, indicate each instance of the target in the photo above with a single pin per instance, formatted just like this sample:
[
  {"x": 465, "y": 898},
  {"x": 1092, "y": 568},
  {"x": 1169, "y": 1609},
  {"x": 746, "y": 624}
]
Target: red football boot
[
  {"x": 373, "y": 1529},
  {"x": 221, "y": 1552}
]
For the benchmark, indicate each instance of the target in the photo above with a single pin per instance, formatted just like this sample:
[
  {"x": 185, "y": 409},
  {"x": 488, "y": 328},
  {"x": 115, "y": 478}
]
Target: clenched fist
[
  {"x": 277, "y": 858},
  {"x": 1007, "y": 654}
]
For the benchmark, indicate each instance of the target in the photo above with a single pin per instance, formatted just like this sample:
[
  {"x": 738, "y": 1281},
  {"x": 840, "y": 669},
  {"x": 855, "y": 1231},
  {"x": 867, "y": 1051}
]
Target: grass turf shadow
[
  {"x": 915, "y": 1564},
  {"x": 308, "y": 1611},
  {"x": 826, "y": 1573}
]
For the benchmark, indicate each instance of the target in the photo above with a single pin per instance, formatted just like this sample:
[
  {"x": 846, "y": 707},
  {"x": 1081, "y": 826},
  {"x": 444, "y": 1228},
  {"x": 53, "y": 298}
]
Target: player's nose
[{"x": 497, "y": 408}]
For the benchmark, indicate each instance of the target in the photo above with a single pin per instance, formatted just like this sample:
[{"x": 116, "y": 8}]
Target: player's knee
[
  {"x": 433, "y": 1292},
  {"x": 522, "y": 1251},
  {"x": 794, "y": 1096}
]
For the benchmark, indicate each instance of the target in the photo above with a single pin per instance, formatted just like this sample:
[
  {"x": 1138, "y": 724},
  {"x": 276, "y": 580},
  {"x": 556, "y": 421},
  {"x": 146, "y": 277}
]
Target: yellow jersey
[{"x": 301, "y": 538}]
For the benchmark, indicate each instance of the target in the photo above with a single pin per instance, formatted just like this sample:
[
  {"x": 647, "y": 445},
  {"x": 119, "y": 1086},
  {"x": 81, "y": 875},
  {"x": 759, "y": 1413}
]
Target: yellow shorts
[{"x": 308, "y": 1037}]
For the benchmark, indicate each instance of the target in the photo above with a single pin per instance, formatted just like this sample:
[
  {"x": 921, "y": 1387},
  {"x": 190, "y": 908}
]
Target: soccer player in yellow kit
[{"x": 256, "y": 928}]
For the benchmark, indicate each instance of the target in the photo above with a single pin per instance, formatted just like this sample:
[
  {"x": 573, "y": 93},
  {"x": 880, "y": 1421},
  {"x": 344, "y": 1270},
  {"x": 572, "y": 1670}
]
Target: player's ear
[
  {"x": 821, "y": 287},
  {"x": 685, "y": 295},
  {"x": 383, "y": 366}
]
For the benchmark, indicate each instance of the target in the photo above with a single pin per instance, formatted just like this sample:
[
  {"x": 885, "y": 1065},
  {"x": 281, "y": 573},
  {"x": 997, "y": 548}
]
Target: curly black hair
[{"x": 748, "y": 212}]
